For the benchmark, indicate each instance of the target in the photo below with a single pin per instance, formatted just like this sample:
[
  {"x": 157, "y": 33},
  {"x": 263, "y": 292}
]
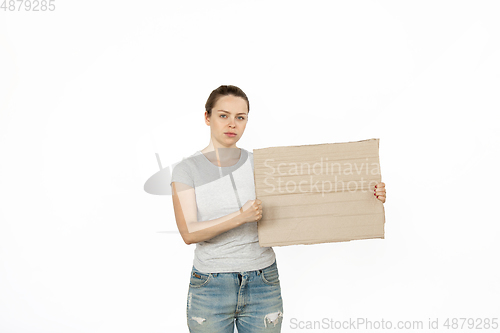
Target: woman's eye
[{"x": 242, "y": 118}]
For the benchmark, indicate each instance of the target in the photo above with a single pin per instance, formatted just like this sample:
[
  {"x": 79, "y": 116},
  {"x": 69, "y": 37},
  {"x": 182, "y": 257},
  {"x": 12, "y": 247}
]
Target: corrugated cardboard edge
[{"x": 319, "y": 144}]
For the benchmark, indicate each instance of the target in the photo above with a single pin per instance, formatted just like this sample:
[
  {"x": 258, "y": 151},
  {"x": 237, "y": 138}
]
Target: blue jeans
[{"x": 252, "y": 299}]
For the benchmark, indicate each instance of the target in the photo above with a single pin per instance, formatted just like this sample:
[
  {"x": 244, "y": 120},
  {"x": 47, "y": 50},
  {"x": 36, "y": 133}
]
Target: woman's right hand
[{"x": 252, "y": 211}]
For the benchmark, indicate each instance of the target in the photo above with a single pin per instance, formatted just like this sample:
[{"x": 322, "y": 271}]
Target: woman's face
[{"x": 229, "y": 115}]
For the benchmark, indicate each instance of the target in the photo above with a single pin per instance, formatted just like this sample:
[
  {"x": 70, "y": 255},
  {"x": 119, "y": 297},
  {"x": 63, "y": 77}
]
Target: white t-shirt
[{"x": 221, "y": 191}]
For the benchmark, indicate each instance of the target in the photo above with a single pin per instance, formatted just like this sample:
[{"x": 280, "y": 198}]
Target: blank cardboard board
[{"x": 318, "y": 193}]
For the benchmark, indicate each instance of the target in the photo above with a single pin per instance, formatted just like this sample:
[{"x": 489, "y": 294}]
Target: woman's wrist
[{"x": 237, "y": 219}]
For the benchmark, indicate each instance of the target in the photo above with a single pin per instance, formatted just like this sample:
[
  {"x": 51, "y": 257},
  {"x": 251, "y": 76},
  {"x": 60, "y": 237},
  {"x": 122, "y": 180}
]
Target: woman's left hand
[{"x": 379, "y": 191}]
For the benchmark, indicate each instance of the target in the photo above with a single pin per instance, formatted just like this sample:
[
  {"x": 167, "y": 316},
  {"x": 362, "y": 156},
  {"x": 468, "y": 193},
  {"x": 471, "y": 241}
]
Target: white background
[{"x": 91, "y": 91}]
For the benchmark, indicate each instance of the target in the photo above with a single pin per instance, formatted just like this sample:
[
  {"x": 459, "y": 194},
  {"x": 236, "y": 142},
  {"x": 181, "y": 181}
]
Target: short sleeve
[{"x": 182, "y": 174}]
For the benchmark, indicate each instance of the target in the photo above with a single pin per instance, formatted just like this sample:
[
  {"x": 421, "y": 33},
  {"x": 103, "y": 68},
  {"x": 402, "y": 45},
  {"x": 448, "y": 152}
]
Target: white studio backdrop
[{"x": 91, "y": 91}]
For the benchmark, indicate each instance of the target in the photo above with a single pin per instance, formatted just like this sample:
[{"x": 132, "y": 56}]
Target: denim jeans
[{"x": 252, "y": 300}]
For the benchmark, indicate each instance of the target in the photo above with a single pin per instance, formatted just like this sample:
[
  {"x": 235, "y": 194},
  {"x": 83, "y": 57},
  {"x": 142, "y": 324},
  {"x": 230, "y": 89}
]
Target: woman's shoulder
[
  {"x": 249, "y": 152},
  {"x": 188, "y": 162},
  {"x": 250, "y": 156}
]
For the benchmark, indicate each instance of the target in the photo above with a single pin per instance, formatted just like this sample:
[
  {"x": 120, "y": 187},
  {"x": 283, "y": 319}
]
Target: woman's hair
[{"x": 224, "y": 91}]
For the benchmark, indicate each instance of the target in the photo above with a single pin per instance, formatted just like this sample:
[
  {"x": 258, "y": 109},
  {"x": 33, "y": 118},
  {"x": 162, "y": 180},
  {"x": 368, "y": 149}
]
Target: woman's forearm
[{"x": 203, "y": 230}]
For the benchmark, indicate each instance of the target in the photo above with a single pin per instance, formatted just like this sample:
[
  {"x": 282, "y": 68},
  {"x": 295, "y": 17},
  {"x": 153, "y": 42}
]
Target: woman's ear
[{"x": 207, "y": 119}]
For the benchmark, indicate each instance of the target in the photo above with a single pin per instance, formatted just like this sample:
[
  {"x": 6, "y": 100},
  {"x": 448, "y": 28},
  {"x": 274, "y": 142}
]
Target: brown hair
[{"x": 224, "y": 91}]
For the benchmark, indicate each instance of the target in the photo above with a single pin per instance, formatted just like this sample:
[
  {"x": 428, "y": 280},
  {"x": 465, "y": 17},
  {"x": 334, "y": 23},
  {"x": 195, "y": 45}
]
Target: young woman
[{"x": 233, "y": 279}]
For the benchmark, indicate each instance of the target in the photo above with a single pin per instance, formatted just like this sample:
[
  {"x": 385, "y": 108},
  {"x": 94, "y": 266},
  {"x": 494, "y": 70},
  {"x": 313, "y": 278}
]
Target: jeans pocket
[
  {"x": 270, "y": 275},
  {"x": 199, "y": 279}
]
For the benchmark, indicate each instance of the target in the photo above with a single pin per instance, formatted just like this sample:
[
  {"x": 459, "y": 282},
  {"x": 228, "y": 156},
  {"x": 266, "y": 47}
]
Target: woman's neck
[
  {"x": 217, "y": 147},
  {"x": 222, "y": 156}
]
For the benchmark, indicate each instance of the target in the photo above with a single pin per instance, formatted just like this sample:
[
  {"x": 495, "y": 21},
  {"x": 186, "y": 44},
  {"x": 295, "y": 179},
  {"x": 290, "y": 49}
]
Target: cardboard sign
[{"x": 318, "y": 193}]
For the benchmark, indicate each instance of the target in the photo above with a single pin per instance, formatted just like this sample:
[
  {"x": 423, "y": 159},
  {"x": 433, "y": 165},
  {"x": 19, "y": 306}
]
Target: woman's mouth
[{"x": 230, "y": 134}]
